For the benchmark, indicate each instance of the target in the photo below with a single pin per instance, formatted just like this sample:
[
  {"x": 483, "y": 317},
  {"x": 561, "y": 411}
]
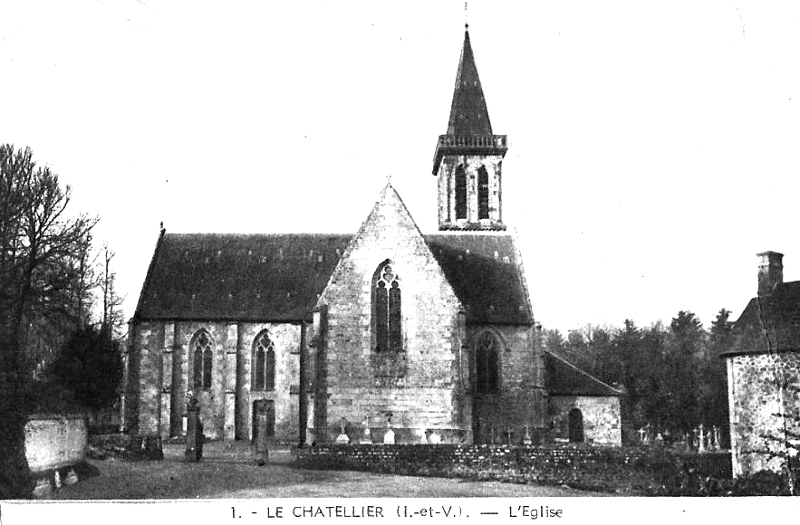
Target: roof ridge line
[{"x": 584, "y": 372}]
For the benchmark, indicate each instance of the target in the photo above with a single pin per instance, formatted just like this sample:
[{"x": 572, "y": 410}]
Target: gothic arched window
[
  {"x": 461, "y": 193},
  {"x": 386, "y": 310},
  {"x": 486, "y": 364},
  {"x": 203, "y": 360},
  {"x": 483, "y": 193},
  {"x": 264, "y": 366}
]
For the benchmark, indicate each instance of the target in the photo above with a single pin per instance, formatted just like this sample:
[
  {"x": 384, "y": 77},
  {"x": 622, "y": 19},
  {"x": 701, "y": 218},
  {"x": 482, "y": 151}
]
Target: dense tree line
[
  {"x": 51, "y": 282},
  {"x": 673, "y": 376}
]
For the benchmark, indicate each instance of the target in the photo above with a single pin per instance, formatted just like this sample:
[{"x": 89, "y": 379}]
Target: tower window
[
  {"x": 461, "y": 193},
  {"x": 449, "y": 195},
  {"x": 486, "y": 352},
  {"x": 386, "y": 310},
  {"x": 264, "y": 368},
  {"x": 203, "y": 361},
  {"x": 483, "y": 193}
]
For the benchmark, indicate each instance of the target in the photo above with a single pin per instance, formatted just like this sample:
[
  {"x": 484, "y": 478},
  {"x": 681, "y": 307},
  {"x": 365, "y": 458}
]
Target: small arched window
[
  {"x": 483, "y": 193},
  {"x": 264, "y": 366},
  {"x": 203, "y": 360},
  {"x": 386, "y": 309},
  {"x": 461, "y": 193},
  {"x": 486, "y": 364}
]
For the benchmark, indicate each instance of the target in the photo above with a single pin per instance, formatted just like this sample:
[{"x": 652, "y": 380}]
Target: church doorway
[
  {"x": 263, "y": 406},
  {"x": 575, "y": 426}
]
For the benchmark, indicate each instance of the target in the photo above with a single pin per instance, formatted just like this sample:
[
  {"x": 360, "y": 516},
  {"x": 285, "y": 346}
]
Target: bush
[{"x": 762, "y": 483}]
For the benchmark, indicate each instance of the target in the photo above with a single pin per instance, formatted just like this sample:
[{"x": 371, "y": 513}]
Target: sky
[{"x": 654, "y": 146}]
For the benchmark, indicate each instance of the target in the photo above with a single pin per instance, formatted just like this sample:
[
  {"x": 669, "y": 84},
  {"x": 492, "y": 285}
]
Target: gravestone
[
  {"x": 262, "y": 450},
  {"x": 388, "y": 437},
  {"x": 194, "y": 431},
  {"x": 527, "y": 439},
  {"x": 342, "y": 438},
  {"x": 367, "y": 439},
  {"x": 72, "y": 477}
]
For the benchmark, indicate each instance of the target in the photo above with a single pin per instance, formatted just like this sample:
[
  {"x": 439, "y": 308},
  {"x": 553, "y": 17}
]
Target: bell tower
[{"x": 469, "y": 157}]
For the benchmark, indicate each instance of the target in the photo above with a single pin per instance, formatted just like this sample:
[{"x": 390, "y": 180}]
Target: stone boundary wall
[
  {"x": 54, "y": 446},
  {"x": 589, "y": 467},
  {"x": 55, "y": 441}
]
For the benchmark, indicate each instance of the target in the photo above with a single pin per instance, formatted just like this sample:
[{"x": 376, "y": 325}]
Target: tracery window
[
  {"x": 461, "y": 193},
  {"x": 386, "y": 310},
  {"x": 203, "y": 360},
  {"x": 483, "y": 193},
  {"x": 264, "y": 367},
  {"x": 486, "y": 363}
]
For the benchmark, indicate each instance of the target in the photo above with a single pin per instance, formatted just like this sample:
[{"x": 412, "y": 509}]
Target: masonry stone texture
[
  {"x": 429, "y": 335},
  {"x": 763, "y": 388},
  {"x": 763, "y": 363}
]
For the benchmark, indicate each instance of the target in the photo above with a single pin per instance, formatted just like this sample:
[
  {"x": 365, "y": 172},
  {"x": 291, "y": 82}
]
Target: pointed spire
[
  {"x": 468, "y": 113},
  {"x": 469, "y": 131}
]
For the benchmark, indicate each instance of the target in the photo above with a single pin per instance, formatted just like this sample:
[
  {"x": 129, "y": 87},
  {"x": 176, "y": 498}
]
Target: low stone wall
[
  {"x": 632, "y": 470},
  {"x": 54, "y": 446}
]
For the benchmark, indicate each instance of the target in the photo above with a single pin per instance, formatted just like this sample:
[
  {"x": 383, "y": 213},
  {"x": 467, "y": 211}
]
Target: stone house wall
[
  {"x": 601, "y": 418},
  {"x": 754, "y": 400}
]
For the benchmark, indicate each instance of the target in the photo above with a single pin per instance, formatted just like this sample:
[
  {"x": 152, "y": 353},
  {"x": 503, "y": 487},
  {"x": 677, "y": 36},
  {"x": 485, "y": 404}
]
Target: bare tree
[
  {"x": 113, "y": 319},
  {"x": 43, "y": 255}
]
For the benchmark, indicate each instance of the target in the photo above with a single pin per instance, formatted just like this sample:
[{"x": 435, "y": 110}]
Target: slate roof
[
  {"x": 769, "y": 324},
  {"x": 468, "y": 113},
  {"x": 565, "y": 379},
  {"x": 277, "y": 278},
  {"x": 238, "y": 277},
  {"x": 469, "y": 130},
  {"x": 485, "y": 274}
]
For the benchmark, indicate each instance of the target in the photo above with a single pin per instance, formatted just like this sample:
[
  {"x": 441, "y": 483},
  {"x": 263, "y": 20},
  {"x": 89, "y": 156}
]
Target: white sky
[{"x": 655, "y": 146}]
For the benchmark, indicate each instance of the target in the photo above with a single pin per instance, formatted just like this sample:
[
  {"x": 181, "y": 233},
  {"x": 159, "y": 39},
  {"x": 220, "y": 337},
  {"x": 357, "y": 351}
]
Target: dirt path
[{"x": 228, "y": 472}]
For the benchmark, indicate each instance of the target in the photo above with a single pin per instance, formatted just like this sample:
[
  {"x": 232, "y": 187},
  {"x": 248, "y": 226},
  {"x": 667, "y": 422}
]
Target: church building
[{"x": 429, "y": 335}]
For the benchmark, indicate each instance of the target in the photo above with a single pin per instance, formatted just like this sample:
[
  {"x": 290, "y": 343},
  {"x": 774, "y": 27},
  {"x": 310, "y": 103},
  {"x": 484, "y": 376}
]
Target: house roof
[
  {"x": 277, "y": 278},
  {"x": 565, "y": 379},
  {"x": 769, "y": 324},
  {"x": 468, "y": 113}
]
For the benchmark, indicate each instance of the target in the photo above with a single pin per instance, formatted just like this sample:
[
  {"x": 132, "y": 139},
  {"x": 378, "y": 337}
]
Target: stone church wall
[
  {"x": 447, "y": 190},
  {"x": 754, "y": 400},
  {"x": 161, "y": 364},
  {"x": 519, "y": 401},
  {"x": 422, "y": 386},
  {"x": 601, "y": 418}
]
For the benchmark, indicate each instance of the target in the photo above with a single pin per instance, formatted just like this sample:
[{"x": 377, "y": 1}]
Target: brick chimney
[{"x": 770, "y": 272}]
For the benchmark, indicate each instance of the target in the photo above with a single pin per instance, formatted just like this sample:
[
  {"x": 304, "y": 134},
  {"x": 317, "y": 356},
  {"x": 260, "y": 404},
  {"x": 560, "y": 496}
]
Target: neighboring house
[
  {"x": 763, "y": 362},
  {"x": 430, "y": 334}
]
